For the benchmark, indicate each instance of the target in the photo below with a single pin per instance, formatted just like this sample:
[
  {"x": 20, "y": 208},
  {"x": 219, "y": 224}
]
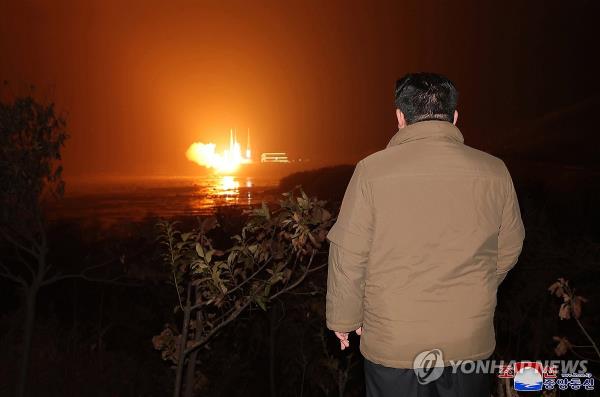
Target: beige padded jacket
[{"x": 427, "y": 230}]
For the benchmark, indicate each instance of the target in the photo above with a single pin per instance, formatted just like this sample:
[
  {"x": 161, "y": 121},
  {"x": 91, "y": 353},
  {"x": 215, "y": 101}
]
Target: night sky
[{"x": 140, "y": 81}]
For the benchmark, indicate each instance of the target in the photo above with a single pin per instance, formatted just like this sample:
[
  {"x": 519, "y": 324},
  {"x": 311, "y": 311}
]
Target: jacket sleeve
[
  {"x": 511, "y": 233},
  {"x": 350, "y": 239}
]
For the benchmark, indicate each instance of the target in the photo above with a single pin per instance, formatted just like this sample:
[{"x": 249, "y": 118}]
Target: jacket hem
[{"x": 409, "y": 363}]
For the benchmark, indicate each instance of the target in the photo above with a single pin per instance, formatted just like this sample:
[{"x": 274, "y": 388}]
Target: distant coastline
[{"x": 110, "y": 200}]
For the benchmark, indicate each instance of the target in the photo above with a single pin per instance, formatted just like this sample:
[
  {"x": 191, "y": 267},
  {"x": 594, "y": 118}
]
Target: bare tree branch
[
  {"x": 208, "y": 336},
  {"x": 18, "y": 244},
  {"x": 114, "y": 281},
  {"x": 299, "y": 280},
  {"x": 25, "y": 262},
  {"x": 251, "y": 276},
  {"x": 6, "y": 273},
  {"x": 314, "y": 269}
]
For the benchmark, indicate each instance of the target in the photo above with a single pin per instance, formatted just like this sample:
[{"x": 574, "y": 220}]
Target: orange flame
[{"x": 229, "y": 161}]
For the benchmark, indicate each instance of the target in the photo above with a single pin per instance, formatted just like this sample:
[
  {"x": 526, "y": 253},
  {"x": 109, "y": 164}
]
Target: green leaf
[
  {"x": 198, "y": 266},
  {"x": 303, "y": 203},
  {"x": 261, "y": 302},
  {"x": 221, "y": 265},
  {"x": 200, "y": 250},
  {"x": 231, "y": 258},
  {"x": 304, "y": 196}
]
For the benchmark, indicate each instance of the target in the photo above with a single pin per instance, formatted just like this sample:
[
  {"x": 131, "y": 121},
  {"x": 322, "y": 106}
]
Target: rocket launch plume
[{"x": 229, "y": 161}]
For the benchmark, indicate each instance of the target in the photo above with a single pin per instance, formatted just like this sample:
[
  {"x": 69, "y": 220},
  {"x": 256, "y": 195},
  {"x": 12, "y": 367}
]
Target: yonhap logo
[
  {"x": 528, "y": 376},
  {"x": 428, "y": 366}
]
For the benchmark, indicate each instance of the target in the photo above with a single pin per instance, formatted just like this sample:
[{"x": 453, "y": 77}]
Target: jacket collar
[{"x": 426, "y": 129}]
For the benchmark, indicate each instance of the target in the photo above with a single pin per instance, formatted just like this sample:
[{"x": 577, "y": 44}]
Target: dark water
[{"x": 132, "y": 199}]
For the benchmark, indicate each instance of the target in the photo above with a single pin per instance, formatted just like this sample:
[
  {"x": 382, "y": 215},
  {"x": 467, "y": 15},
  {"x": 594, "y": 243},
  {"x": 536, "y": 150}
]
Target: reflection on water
[
  {"x": 229, "y": 186},
  {"x": 128, "y": 199},
  {"x": 230, "y": 190},
  {"x": 225, "y": 190}
]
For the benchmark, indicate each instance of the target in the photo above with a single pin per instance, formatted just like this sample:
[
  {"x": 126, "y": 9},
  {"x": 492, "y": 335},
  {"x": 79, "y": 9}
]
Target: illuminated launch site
[{"x": 231, "y": 159}]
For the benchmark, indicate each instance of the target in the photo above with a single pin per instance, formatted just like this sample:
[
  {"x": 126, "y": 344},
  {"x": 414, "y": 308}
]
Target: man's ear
[
  {"x": 455, "y": 117},
  {"x": 401, "y": 119}
]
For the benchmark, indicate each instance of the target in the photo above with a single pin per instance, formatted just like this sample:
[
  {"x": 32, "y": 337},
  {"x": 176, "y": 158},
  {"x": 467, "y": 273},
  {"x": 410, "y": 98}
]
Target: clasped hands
[{"x": 343, "y": 337}]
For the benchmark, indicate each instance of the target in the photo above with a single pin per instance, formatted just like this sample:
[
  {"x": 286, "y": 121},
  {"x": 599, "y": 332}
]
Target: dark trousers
[{"x": 383, "y": 381}]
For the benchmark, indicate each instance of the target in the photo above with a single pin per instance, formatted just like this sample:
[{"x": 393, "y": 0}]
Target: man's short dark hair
[{"x": 426, "y": 96}]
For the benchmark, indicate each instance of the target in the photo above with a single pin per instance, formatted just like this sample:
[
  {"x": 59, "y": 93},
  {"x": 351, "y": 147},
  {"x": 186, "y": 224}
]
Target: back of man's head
[{"x": 426, "y": 96}]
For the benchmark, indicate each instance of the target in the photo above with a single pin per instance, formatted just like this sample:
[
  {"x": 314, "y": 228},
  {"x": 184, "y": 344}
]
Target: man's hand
[{"x": 343, "y": 337}]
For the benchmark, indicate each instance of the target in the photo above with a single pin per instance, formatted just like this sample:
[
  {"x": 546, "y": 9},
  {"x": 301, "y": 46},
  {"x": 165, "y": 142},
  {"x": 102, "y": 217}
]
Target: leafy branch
[
  {"x": 571, "y": 308},
  {"x": 272, "y": 255}
]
